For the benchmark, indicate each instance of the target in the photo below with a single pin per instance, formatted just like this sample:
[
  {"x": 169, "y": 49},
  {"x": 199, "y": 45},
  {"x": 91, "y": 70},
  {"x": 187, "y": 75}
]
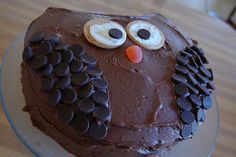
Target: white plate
[{"x": 202, "y": 144}]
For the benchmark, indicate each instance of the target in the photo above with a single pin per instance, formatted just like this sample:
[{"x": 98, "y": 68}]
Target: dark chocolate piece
[
  {"x": 101, "y": 112},
  {"x": 201, "y": 78},
  {"x": 115, "y": 33},
  {"x": 179, "y": 78},
  {"x": 181, "y": 90},
  {"x": 205, "y": 72},
  {"x": 47, "y": 70},
  {"x": 192, "y": 68},
  {"x": 187, "y": 117},
  {"x": 196, "y": 101},
  {"x": 44, "y": 48},
  {"x": 200, "y": 115},
  {"x": 144, "y": 34},
  {"x": 192, "y": 89},
  {"x": 87, "y": 60},
  {"x": 97, "y": 131},
  {"x": 61, "y": 69},
  {"x": 85, "y": 91},
  {"x": 94, "y": 71},
  {"x": 211, "y": 85},
  {"x": 185, "y": 53},
  {"x": 81, "y": 123},
  {"x": 47, "y": 83},
  {"x": 65, "y": 114},
  {"x": 78, "y": 50},
  {"x": 69, "y": 96},
  {"x": 79, "y": 79},
  {"x": 207, "y": 102},
  {"x": 202, "y": 89},
  {"x": 67, "y": 56},
  {"x": 54, "y": 58},
  {"x": 100, "y": 97},
  {"x": 86, "y": 106},
  {"x": 52, "y": 38},
  {"x": 61, "y": 47},
  {"x": 186, "y": 131},
  {"x": 181, "y": 69},
  {"x": 54, "y": 97},
  {"x": 27, "y": 54},
  {"x": 38, "y": 62},
  {"x": 36, "y": 38},
  {"x": 183, "y": 104},
  {"x": 76, "y": 66},
  {"x": 192, "y": 79},
  {"x": 99, "y": 83},
  {"x": 63, "y": 82},
  {"x": 182, "y": 60}
]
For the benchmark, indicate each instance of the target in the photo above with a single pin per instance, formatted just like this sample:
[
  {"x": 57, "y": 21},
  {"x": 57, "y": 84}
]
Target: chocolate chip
[
  {"x": 76, "y": 66},
  {"x": 191, "y": 78},
  {"x": 79, "y": 79},
  {"x": 187, "y": 117},
  {"x": 192, "y": 68},
  {"x": 179, "y": 78},
  {"x": 67, "y": 56},
  {"x": 181, "y": 90},
  {"x": 193, "y": 62},
  {"x": 52, "y": 38},
  {"x": 188, "y": 49},
  {"x": 195, "y": 100},
  {"x": 78, "y": 50},
  {"x": 44, "y": 48},
  {"x": 194, "y": 126},
  {"x": 54, "y": 58},
  {"x": 205, "y": 72},
  {"x": 200, "y": 53},
  {"x": 183, "y": 104},
  {"x": 211, "y": 85},
  {"x": 47, "y": 70},
  {"x": 61, "y": 47},
  {"x": 65, "y": 114},
  {"x": 54, "y": 97},
  {"x": 61, "y": 69},
  {"x": 27, "y": 54},
  {"x": 38, "y": 62},
  {"x": 202, "y": 89},
  {"x": 115, "y": 33},
  {"x": 90, "y": 61},
  {"x": 182, "y": 60},
  {"x": 81, "y": 123},
  {"x": 144, "y": 34},
  {"x": 212, "y": 76},
  {"x": 86, "y": 106},
  {"x": 192, "y": 89},
  {"x": 207, "y": 102},
  {"x": 181, "y": 69},
  {"x": 186, "y": 131},
  {"x": 199, "y": 61},
  {"x": 99, "y": 83},
  {"x": 97, "y": 131},
  {"x": 200, "y": 115},
  {"x": 63, "y": 82},
  {"x": 69, "y": 96},
  {"x": 101, "y": 112},
  {"x": 36, "y": 38},
  {"x": 185, "y": 53},
  {"x": 47, "y": 83},
  {"x": 85, "y": 91},
  {"x": 201, "y": 78},
  {"x": 100, "y": 97},
  {"x": 94, "y": 71}
]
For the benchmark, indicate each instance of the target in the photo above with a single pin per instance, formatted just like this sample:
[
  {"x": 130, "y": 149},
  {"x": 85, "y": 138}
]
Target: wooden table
[{"x": 217, "y": 38}]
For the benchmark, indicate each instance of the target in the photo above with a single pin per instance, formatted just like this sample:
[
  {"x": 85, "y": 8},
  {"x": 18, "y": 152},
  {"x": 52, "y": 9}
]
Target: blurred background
[{"x": 223, "y": 9}]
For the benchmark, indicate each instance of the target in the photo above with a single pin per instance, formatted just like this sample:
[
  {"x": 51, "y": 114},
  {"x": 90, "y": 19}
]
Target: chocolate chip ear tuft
[{"x": 193, "y": 88}]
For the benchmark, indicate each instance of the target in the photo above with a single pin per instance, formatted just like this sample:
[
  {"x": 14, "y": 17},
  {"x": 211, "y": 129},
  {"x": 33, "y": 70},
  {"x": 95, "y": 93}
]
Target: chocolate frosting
[{"x": 145, "y": 117}]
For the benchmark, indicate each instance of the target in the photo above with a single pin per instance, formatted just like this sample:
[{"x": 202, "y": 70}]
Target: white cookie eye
[
  {"x": 145, "y": 34},
  {"x": 104, "y": 33}
]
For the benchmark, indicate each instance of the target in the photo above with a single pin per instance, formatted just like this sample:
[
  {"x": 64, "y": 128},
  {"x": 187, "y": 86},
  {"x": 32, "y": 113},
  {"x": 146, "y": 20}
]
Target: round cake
[{"x": 110, "y": 85}]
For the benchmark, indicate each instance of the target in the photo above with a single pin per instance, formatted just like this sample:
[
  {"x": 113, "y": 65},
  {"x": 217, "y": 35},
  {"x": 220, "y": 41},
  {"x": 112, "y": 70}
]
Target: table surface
[{"x": 214, "y": 36}]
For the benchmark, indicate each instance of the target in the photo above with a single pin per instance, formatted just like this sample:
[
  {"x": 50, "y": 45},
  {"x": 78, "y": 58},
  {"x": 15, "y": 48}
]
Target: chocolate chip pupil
[
  {"x": 115, "y": 33},
  {"x": 144, "y": 34}
]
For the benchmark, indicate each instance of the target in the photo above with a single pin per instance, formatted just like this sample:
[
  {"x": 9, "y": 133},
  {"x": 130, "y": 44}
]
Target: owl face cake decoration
[{"x": 109, "y": 84}]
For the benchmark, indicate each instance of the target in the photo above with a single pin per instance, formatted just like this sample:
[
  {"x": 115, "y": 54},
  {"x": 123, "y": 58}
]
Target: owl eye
[
  {"x": 145, "y": 35},
  {"x": 104, "y": 33}
]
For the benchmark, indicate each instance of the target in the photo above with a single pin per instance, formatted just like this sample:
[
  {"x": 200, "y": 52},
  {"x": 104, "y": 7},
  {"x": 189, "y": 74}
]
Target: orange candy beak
[{"x": 134, "y": 54}]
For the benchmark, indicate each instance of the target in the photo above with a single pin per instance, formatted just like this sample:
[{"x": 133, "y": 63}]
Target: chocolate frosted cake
[{"x": 109, "y": 85}]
